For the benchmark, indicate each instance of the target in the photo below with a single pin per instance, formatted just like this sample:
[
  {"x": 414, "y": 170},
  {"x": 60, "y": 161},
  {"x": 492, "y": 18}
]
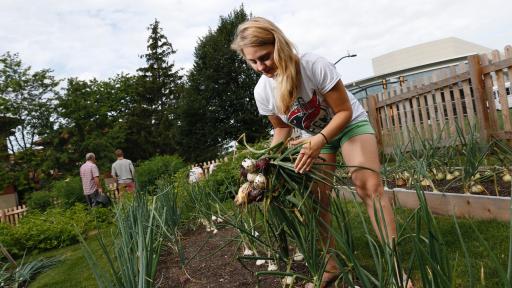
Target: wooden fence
[
  {"x": 433, "y": 108},
  {"x": 209, "y": 165},
  {"x": 12, "y": 215}
]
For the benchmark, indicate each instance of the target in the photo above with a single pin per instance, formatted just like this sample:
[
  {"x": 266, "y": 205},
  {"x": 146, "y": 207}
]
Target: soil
[
  {"x": 492, "y": 188},
  {"x": 212, "y": 262}
]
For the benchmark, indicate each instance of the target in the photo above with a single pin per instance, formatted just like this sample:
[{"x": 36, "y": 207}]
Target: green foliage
[
  {"x": 61, "y": 194},
  {"x": 218, "y": 105},
  {"x": 41, "y": 200},
  {"x": 54, "y": 228},
  {"x": 148, "y": 172},
  {"x": 150, "y": 125},
  {"x": 68, "y": 192},
  {"x": 90, "y": 114},
  {"x": 27, "y": 98}
]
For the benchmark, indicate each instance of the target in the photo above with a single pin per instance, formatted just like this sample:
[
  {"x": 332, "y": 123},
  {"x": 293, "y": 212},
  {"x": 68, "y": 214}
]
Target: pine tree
[{"x": 218, "y": 105}]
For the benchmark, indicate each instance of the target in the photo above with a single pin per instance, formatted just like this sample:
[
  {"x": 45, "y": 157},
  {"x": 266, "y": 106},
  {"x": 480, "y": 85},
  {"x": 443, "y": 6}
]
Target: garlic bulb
[
  {"x": 249, "y": 165},
  {"x": 260, "y": 182}
]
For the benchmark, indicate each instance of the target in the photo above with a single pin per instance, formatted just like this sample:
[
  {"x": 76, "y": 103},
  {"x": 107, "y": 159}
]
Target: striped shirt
[{"x": 88, "y": 171}]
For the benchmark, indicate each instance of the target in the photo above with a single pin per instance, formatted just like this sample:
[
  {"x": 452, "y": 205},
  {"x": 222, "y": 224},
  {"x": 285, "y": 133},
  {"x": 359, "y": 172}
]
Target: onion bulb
[
  {"x": 272, "y": 266},
  {"x": 243, "y": 193},
  {"x": 249, "y": 165},
  {"x": 506, "y": 177},
  {"x": 425, "y": 182},
  {"x": 251, "y": 177},
  {"x": 260, "y": 182},
  {"x": 477, "y": 188}
]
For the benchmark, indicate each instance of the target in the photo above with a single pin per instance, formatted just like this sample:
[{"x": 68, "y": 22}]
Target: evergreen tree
[
  {"x": 152, "y": 117},
  {"x": 218, "y": 105}
]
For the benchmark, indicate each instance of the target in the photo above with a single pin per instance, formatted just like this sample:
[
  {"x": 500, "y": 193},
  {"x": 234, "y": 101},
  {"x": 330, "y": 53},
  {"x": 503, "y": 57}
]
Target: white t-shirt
[{"x": 310, "y": 112}]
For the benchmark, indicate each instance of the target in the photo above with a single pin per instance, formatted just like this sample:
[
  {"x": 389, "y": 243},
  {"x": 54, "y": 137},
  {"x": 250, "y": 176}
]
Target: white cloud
[{"x": 98, "y": 38}]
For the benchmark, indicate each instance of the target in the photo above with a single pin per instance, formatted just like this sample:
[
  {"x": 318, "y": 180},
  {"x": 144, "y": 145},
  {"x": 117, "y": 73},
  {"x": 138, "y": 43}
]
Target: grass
[
  {"x": 73, "y": 271},
  {"x": 494, "y": 233}
]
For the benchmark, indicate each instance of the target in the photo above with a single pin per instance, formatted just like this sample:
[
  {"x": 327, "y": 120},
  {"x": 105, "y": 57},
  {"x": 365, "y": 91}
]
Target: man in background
[
  {"x": 123, "y": 173},
  {"x": 90, "y": 176}
]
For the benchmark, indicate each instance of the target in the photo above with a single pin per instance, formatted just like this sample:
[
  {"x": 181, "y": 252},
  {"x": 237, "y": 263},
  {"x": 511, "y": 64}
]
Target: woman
[{"x": 306, "y": 92}]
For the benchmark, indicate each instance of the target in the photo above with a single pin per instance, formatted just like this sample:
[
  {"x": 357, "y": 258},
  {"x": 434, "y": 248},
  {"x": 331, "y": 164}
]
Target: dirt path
[{"x": 212, "y": 268}]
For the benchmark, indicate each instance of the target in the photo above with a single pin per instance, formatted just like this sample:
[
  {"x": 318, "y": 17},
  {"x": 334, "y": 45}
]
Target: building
[
  {"x": 414, "y": 62},
  {"x": 8, "y": 196}
]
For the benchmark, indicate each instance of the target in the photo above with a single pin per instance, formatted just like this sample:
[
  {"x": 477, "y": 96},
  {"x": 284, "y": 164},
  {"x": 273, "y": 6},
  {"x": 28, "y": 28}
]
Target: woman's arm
[
  {"x": 282, "y": 131},
  {"x": 338, "y": 101}
]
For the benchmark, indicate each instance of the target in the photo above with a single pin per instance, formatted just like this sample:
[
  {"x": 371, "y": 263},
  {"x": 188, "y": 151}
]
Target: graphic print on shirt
[{"x": 310, "y": 116}]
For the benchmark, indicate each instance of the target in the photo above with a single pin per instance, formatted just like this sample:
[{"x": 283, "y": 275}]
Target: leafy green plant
[{"x": 148, "y": 172}]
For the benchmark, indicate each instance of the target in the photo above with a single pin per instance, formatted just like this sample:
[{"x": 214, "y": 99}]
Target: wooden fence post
[
  {"x": 374, "y": 119},
  {"x": 2, "y": 216},
  {"x": 476, "y": 75}
]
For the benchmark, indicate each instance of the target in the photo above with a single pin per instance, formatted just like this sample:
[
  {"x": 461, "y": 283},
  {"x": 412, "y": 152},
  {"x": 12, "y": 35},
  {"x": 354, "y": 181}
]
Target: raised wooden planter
[{"x": 460, "y": 205}]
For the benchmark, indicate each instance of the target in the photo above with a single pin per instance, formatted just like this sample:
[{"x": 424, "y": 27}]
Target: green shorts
[{"x": 353, "y": 129}]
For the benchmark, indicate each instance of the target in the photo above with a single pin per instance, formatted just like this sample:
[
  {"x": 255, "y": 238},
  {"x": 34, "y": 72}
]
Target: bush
[
  {"x": 41, "y": 200},
  {"x": 68, "y": 192},
  {"x": 148, "y": 172},
  {"x": 54, "y": 228}
]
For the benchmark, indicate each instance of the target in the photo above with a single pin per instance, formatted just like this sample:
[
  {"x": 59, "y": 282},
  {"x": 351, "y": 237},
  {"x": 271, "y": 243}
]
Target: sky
[{"x": 100, "y": 38}]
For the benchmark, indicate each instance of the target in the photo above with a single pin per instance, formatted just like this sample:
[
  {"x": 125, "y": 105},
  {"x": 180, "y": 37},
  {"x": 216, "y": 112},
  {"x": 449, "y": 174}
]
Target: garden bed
[
  {"x": 214, "y": 263},
  {"x": 481, "y": 207}
]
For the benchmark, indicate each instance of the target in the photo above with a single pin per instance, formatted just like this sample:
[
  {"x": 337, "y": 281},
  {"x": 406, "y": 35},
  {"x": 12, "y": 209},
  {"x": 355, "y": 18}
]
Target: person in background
[
  {"x": 306, "y": 92},
  {"x": 123, "y": 173},
  {"x": 90, "y": 176}
]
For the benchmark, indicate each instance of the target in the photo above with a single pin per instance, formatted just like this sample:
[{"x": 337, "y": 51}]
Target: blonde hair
[{"x": 259, "y": 31}]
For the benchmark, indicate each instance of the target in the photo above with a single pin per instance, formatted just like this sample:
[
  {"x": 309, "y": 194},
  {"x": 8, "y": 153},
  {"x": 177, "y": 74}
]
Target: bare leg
[{"x": 362, "y": 151}]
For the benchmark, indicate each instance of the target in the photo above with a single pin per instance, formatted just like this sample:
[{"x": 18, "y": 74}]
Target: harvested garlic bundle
[
  {"x": 243, "y": 194},
  {"x": 260, "y": 182},
  {"x": 249, "y": 165}
]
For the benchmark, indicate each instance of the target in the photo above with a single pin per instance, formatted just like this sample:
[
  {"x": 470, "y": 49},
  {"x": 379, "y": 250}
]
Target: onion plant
[
  {"x": 142, "y": 225},
  {"x": 13, "y": 274},
  {"x": 474, "y": 153}
]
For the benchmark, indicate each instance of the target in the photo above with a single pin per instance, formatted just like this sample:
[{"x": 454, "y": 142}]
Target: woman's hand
[{"x": 309, "y": 153}]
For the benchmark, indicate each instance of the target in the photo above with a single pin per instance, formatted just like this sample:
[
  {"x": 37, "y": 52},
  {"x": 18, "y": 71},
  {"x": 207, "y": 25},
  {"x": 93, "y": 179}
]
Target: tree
[
  {"x": 218, "y": 105},
  {"x": 91, "y": 119},
  {"x": 27, "y": 97},
  {"x": 151, "y": 122}
]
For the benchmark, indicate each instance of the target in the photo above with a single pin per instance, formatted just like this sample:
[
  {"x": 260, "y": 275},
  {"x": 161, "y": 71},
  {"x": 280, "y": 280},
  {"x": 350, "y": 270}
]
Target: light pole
[{"x": 346, "y": 56}]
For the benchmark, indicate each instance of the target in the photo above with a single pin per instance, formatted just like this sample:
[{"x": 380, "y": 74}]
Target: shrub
[
  {"x": 68, "y": 192},
  {"x": 148, "y": 172},
  {"x": 53, "y": 228},
  {"x": 41, "y": 200}
]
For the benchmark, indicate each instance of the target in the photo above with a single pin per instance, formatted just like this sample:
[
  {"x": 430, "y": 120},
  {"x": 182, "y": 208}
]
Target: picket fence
[
  {"x": 473, "y": 94},
  {"x": 12, "y": 215}
]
